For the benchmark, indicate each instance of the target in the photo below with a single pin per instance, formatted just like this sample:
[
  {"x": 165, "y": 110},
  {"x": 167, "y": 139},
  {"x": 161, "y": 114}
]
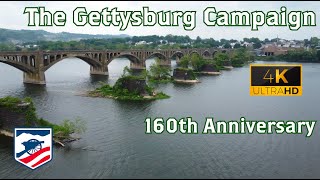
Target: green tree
[
  {"x": 306, "y": 42},
  {"x": 158, "y": 71},
  {"x": 240, "y": 57},
  {"x": 219, "y": 58},
  {"x": 197, "y": 61},
  {"x": 237, "y": 45},
  {"x": 198, "y": 40},
  {"x": 227, "y": 45},
  {"x": 185, "y": 61},
  {"x": 69, "y": 127},
  {"x": 314, "y": 41},
  {"x": 257, "y": 45},
  {"x": 126, "y": 71},
  {"x": 318, "y": 55}
]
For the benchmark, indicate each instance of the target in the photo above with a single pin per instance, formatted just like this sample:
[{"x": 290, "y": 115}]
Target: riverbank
[
  {"x": 278, "y": 59},
  {"x": 160, "y": 81},
  {"x": 186, "y": 81},
  {"x": 300, "y": 56},
  {"x": 228, "y": 68},
  {"x": 56, "y": 142},
  {"x": 125, "y": 97},
  {"x": 16, "y": 112},
  {"x": 208, "y": 73}
]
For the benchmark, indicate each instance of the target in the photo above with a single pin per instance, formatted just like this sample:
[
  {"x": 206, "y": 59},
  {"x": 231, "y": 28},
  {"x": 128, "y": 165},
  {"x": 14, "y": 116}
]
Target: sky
[{"x": 12, "y": 17}]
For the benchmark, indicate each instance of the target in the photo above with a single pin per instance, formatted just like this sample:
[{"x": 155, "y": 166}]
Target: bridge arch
[
  {"x": 206, "y": 53},
  {"x": 17, "y": 64},
  {"x": 214, "y": 53},
  {"x": 178, "y": 54},
  {"x": 132, "y": 58},
  {"x": 194, "y": 52},
  {"x": 158, "y": 55},
  {"x": 48, "y": 63}
]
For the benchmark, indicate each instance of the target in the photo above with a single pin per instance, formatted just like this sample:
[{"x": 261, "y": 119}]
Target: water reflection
[
  {"x": 34, "y": 90},
  {"x": 95, "y": 79}
]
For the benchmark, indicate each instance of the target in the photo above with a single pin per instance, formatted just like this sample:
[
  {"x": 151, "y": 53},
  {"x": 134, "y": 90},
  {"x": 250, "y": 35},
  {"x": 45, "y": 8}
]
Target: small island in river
[
  {"x": 184, "y": 75},
  {"x": 128, "y": 87}
]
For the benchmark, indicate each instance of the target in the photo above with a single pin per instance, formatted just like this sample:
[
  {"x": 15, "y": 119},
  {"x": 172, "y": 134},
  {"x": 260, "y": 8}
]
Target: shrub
[{"x": 65, "y": 129}]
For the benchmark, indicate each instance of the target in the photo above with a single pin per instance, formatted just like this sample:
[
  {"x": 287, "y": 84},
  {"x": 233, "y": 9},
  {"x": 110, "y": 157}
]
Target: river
[{"x": 115, "y": 144}]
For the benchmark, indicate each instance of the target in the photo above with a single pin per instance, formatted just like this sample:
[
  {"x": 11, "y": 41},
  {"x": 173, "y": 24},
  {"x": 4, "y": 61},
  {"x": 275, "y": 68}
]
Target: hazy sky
[{"x": 12, "y": 17}]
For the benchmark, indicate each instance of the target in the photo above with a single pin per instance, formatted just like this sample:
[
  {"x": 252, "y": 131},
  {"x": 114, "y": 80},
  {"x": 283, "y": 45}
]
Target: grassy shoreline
[
  {"x": 113, "y": 95},
  {"x": 61, "y": 132}
]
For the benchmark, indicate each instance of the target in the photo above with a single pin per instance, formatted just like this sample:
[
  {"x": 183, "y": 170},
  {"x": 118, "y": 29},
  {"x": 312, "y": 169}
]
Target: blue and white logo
[{"x": 33, "y": 146}]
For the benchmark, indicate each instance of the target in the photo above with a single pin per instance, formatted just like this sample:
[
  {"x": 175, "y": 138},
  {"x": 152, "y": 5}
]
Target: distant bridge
[{"x": 34, "y": 64}]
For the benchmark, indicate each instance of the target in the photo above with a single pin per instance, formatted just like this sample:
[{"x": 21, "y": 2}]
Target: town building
[{"x": 272, "y": 50}]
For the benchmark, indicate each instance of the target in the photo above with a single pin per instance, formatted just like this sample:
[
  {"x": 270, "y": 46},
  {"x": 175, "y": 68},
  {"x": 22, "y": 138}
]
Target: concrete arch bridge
[{"x": 35, "y": 64}]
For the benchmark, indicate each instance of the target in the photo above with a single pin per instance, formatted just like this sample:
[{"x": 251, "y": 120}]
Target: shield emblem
[{"x": 33, "y": 146}]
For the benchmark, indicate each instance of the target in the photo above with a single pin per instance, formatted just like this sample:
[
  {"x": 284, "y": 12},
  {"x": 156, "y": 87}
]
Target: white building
[{"x": 141, "y": 43}]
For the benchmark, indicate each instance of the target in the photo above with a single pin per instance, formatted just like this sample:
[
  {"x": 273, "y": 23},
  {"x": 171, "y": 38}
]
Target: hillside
[{"x": 21, "y": 36}]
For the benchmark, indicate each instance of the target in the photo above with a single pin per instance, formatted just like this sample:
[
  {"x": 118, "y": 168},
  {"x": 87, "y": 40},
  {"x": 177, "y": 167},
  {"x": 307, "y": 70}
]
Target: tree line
[
  {"x": 142, "y": 42},
  {"x": 295, "y": 56}
]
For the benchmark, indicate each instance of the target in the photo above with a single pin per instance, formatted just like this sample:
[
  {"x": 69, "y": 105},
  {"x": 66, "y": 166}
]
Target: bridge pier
[
  {"x": 166, "y": 63},
  {"x": 138, "y": 66},
  {"x": 177, "y": 60},
  {"x": 99, "y": 70},
  {"x": 34, "y": 77}
]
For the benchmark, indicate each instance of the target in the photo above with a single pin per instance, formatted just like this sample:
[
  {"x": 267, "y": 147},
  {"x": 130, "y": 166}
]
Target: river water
[{"x": 115, "y": 144}]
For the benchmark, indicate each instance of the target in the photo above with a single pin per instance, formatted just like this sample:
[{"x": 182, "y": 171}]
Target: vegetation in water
[
  {"x": 120, "y": 90},
  {"x": 159, "y": 73},
  {"x": 197, "y": 62},
  {"x": 240, "y": 57},
  {"x": 185, "y": 61},
  {"x": 220, "y": 58},
  {"x": 65, "y": 129},
  {"x": 189, "y": 71},
  {"x": 61, "y": 131},
  {"x": 121, "y": 93}
]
